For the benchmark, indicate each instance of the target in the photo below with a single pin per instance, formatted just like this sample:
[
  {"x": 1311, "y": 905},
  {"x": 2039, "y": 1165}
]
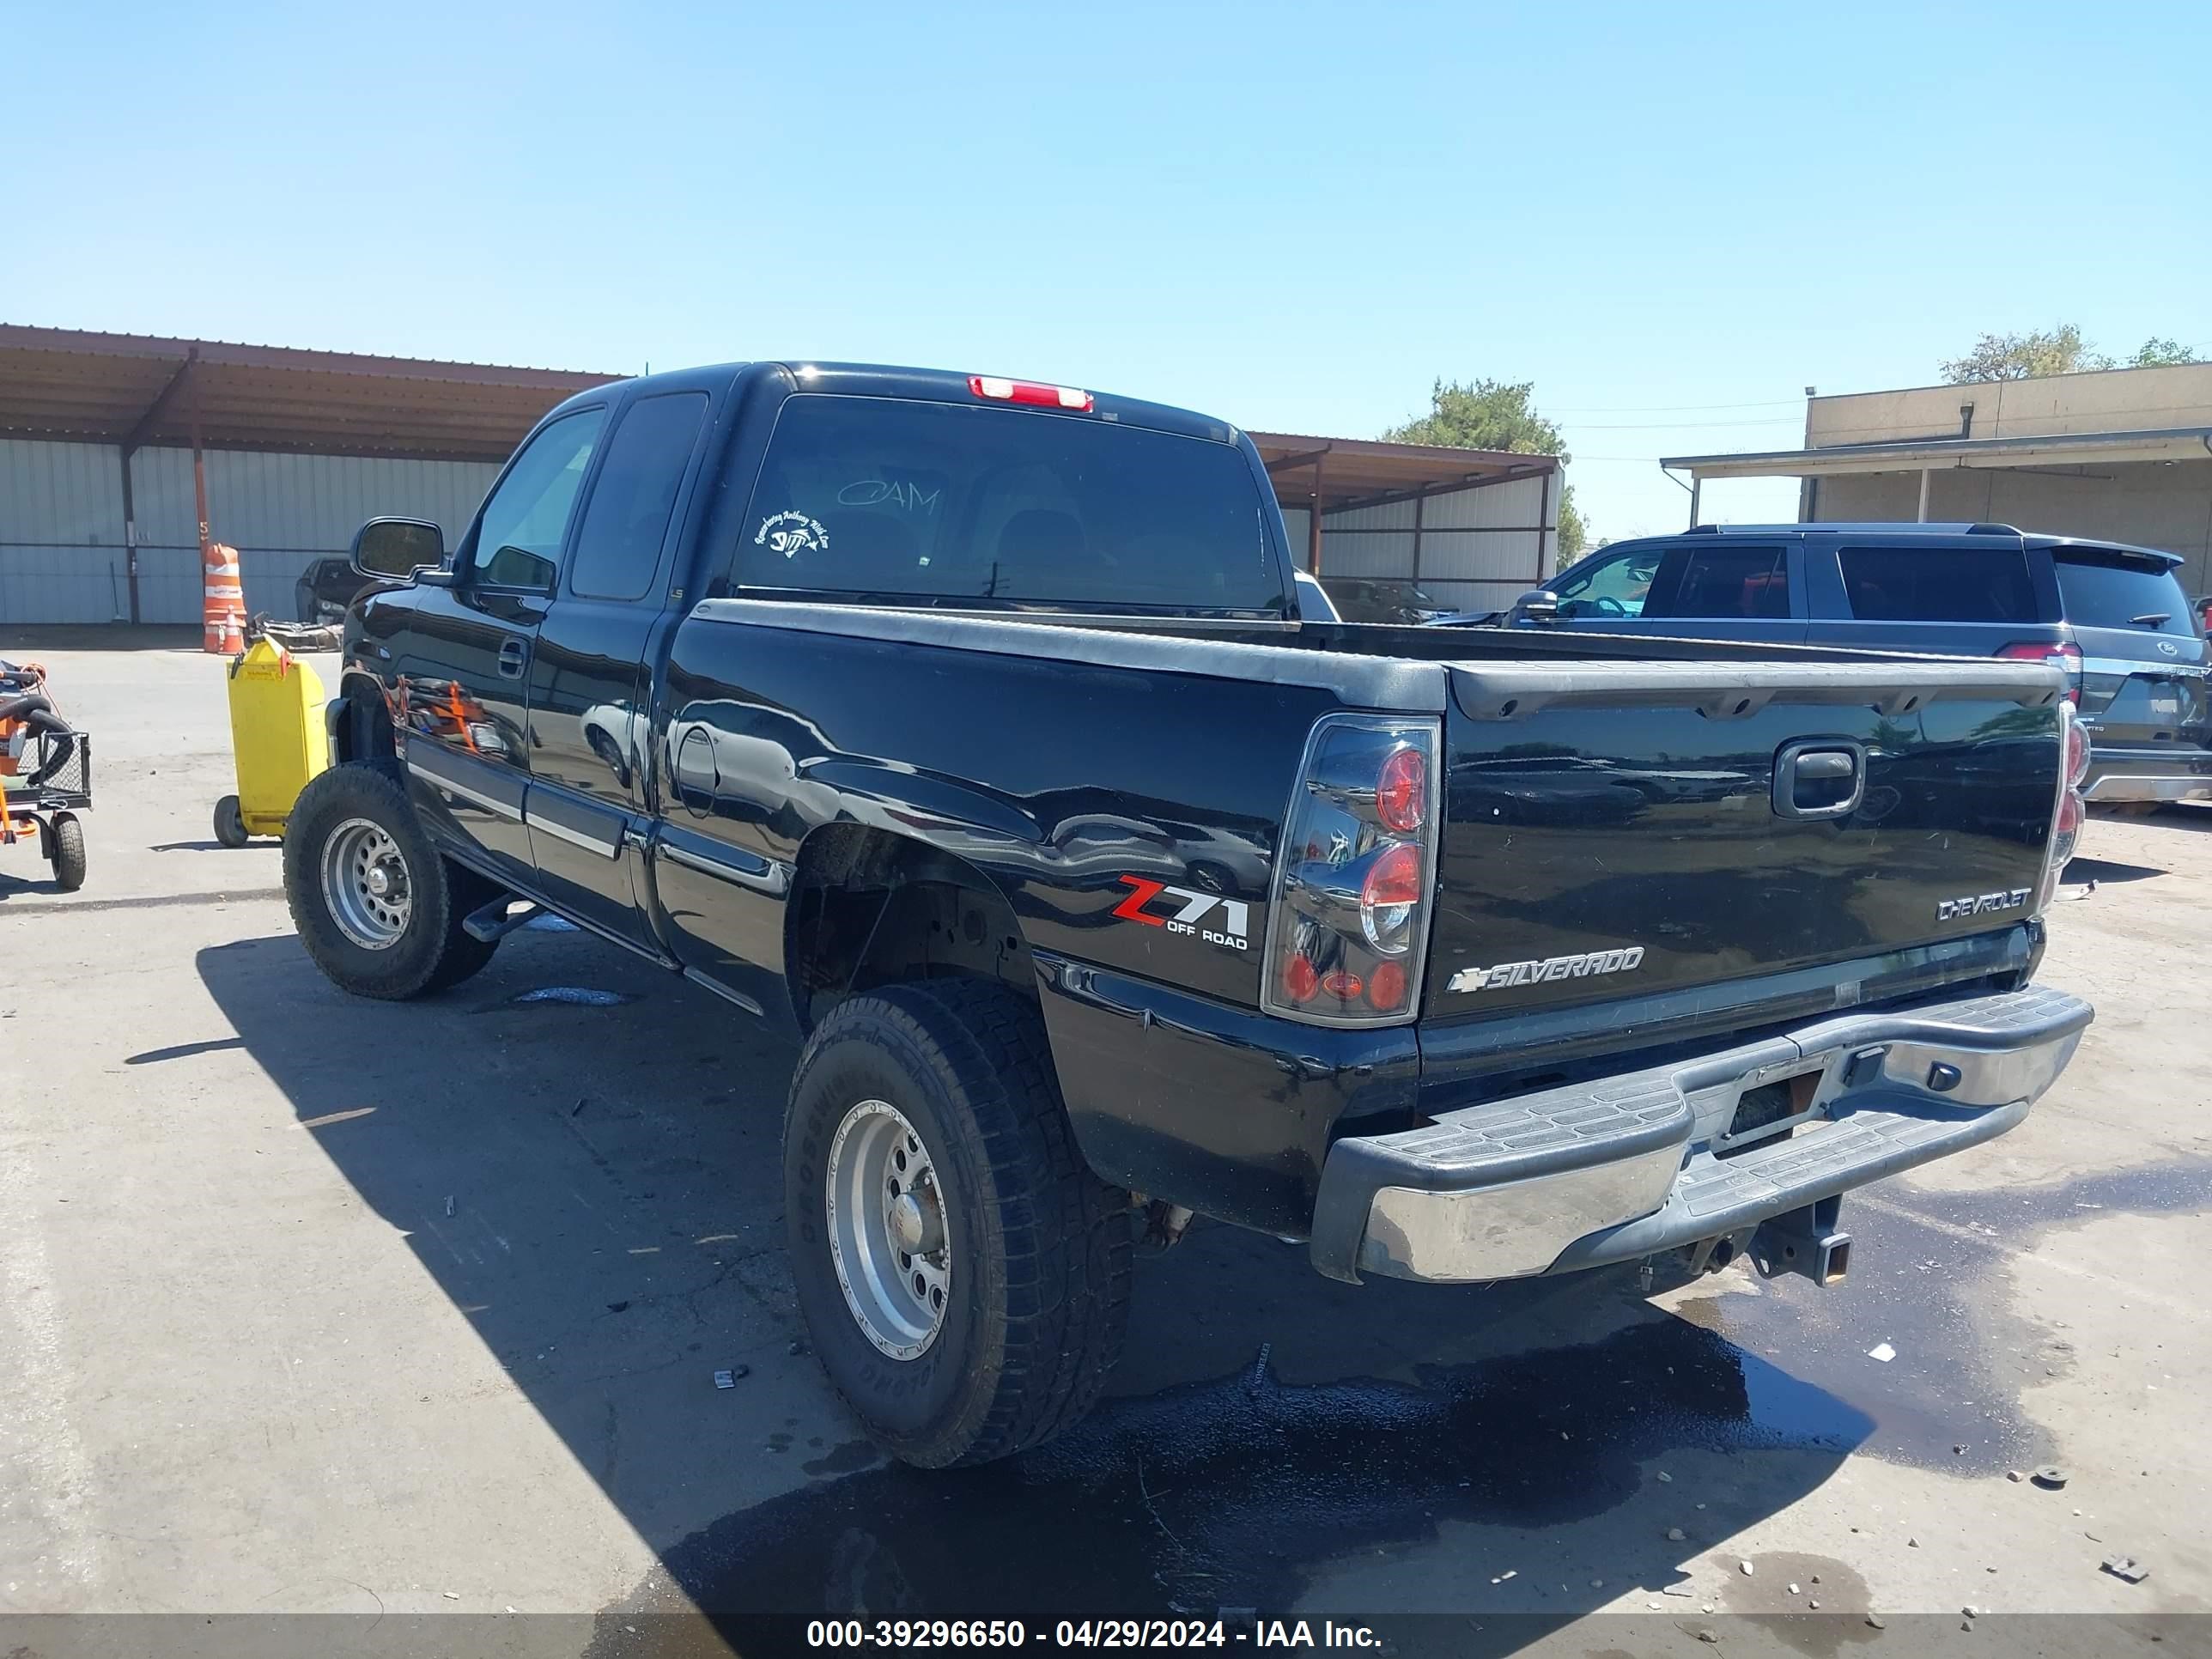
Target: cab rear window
[
  {"x": 903, "y": 502},
  {"x": 2112, "y": 591}
]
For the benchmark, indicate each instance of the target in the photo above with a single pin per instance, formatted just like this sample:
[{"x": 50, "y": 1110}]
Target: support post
[
  {"x": 1696, "y": 483},
  {"x": 1921, "y": 517},
  {"x": 199, "y": 484},
  {"x": 1543, "y": 522},
  {"x": 130, "y": 534},
  {"x": 1420, "y": 501},
  {"x": 1313, "y": 523}
]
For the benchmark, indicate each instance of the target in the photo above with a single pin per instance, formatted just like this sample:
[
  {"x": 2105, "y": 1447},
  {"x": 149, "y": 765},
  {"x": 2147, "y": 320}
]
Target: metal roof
[
  {"x": 136, "y": 390},
  {"x": 1358, "y": 471},
  {"x": 1914, "y": 455}
]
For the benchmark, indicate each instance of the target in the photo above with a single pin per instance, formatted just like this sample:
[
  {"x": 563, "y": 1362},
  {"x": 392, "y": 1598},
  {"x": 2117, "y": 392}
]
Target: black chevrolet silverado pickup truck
[{"x": 969, "y": 727}]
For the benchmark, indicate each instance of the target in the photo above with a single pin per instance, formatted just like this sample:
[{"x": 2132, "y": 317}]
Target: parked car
[
  {"x": 969, "y": 728},
  {"x": 1379, "y": 600},
  {"x": 328, "y": 587},
  {"x": 2113, "y": 617}
]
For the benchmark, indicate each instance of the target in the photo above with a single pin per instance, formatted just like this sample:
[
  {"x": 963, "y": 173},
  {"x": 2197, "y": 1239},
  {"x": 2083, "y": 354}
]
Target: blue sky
[{"x": 1672, "y": 220}]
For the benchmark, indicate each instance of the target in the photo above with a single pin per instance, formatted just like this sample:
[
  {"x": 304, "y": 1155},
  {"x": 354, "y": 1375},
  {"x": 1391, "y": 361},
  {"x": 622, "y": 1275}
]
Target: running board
[{"x": 494, "y": 922}]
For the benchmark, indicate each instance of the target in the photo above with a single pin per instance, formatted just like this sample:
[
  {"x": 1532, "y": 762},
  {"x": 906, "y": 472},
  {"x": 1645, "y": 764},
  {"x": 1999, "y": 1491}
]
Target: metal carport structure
[{"x": 113, "y": 444}]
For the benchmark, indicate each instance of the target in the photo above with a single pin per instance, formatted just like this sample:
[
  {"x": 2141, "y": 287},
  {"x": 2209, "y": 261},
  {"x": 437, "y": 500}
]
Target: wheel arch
[
  {"x": 361, "y": 728},
  {"x": 870, "y": 906}
]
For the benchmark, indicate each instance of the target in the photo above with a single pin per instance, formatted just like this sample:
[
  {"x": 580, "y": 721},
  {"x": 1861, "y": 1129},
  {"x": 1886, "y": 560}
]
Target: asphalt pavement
[{"x": 311, "y": 1305}]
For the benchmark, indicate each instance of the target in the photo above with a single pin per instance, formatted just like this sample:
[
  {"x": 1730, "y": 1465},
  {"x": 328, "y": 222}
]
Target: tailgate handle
[{"x": 1819, "y": 778}]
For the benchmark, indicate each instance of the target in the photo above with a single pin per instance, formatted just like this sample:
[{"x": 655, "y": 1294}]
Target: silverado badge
[{"x": 1550, "y": 967}]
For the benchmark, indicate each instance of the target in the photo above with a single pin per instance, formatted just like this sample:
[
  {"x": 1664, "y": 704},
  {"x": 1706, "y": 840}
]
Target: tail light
[
  {"x": 1348, "y": 919},
  {"x": 2069, "y": 811},
  {"x": 2067, "y": 659}
]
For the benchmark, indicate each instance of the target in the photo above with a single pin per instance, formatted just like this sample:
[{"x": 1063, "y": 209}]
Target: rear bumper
[
  {"x": 1623, "y": 1168},
  {"x": 2166, "y": 773}
]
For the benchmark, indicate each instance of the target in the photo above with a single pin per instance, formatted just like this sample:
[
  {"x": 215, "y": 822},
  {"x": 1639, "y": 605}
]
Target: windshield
[
  {"x": 913, "y": 502},
  {"x": 2110, "y": 590}
]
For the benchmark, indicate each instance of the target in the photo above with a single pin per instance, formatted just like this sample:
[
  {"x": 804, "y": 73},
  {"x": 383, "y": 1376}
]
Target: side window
[
  {"x": 619, "y": 543},
  {"x": 1615, "y": 586},
  {"x": 518, "y": 541},
  {"x": 1938, "y": 584},
  {"x": 1716, "y": 581}
]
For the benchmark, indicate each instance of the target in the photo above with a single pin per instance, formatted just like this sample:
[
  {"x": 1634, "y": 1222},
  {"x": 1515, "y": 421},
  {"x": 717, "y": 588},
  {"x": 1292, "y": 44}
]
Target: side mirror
[
  {"x": 394, "y": 550},
  {"x": 1538, "y": 606}
]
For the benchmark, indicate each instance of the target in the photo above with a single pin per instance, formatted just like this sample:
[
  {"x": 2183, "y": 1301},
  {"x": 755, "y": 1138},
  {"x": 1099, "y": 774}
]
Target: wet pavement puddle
[{"x": 1238, "y": 1492}]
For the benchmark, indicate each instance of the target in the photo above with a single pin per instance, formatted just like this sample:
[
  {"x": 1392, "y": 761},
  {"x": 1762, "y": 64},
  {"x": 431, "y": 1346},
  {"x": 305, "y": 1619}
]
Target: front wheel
[
  {"x": 378, "y": 908},
  {"x": 67, "y": 852},
  {"x": 963, "y": 1275}
]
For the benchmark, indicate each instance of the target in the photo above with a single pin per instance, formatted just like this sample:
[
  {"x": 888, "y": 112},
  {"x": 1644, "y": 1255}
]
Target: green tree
[
  {"x": 2060, "y": 350},
  {"x": 2162, "y": 353},
  {"x": 1496, "y": 415}
]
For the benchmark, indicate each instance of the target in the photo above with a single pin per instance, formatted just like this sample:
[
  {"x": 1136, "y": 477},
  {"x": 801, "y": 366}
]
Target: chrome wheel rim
[
  {"x": 889, "y": 1230},
  {"x": 366, "y": 886}
]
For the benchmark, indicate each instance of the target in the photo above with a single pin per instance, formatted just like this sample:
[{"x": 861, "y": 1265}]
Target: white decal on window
[{"x": 792, "y": 534}]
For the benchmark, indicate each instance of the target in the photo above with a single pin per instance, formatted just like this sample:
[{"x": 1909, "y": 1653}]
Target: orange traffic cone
[{"x": 223, "y": 601}]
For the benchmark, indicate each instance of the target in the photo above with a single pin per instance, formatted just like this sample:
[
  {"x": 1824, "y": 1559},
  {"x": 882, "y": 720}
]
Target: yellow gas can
[{"x": 277, "y": 737}]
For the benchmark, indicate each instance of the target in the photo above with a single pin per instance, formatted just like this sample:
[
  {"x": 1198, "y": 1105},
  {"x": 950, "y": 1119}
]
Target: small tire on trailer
[
  {"x": 67, "y": 842},
  {"x": 963, "y": 1275},
  {"x": 378, "y": 910},
  {"x": 230, "y": 822}
]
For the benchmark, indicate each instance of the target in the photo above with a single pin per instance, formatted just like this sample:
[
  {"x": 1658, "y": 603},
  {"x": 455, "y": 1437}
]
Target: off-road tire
[
  {"x": 69, "y": 853},
  {"x": 434, "y": 951},
  {"x": 1040, "y": 1287}
]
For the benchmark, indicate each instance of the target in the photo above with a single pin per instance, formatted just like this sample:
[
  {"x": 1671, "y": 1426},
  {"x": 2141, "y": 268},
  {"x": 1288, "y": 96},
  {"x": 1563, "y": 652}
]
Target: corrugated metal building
[
  {"x": 1475, "y": 528},
  {"x": 99, "y": 435},
  {"x": 108, "y": 442},
  {"x": 63, "y": 557},
  {"x": 1476, "y": 547}
]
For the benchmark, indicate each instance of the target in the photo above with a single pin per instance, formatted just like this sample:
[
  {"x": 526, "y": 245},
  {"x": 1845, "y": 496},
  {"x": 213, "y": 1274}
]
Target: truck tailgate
[{"x": 1616, "y": 828}]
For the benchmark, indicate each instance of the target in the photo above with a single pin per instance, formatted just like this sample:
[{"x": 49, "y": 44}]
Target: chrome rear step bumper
[{"x": 1629, "y": 1166}]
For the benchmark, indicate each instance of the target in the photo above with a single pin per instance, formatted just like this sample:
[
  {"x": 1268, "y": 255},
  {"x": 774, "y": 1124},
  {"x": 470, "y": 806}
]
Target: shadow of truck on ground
[{"x": 594, "y": 1183}]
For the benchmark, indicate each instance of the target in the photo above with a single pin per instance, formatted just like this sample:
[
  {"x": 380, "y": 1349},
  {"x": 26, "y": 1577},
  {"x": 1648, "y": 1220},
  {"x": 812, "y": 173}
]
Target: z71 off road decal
[{"x": 1232, "y": 929}]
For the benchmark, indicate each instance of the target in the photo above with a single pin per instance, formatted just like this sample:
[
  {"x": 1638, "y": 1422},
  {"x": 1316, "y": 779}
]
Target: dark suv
[{"x": 2115, "y": 617}]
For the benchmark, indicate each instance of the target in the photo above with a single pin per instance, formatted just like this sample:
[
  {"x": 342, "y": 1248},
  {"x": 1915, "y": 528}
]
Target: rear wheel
[
  {"x": 963, "y": 1275},
  {"x": 378, "y": 908},
  {"x": 67, "y": 852}
]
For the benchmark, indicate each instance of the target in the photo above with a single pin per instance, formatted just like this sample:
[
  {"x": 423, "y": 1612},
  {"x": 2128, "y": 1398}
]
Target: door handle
[
  {"x": 1819, "y": 778},
  {"x": 514, "y": 656}
]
